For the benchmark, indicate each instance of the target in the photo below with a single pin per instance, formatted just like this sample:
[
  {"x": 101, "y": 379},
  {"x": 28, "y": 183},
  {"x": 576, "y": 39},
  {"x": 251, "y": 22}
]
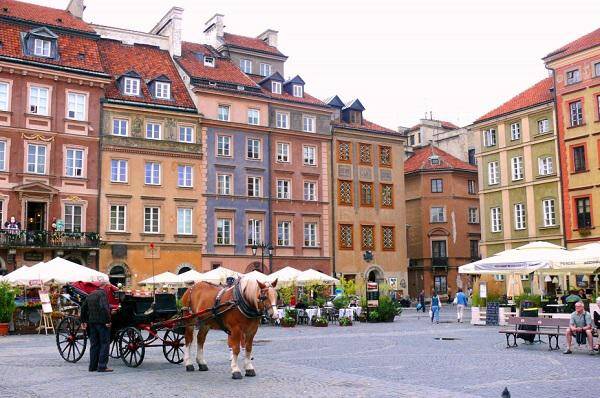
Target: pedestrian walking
[
  {"x": 95, "y": 317},
  {"x": 461, "y": 303},
  {"x": 436, "y": 306},
  {"x": 421, "y": 305}
]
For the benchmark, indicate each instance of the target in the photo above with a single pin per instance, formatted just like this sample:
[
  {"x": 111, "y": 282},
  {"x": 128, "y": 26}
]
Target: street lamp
[{"x": 263, "y": 247}]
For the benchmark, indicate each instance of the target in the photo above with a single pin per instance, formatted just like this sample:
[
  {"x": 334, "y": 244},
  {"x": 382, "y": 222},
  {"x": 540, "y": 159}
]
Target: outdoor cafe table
[
  {"x": 311, "y": 312},
  {"x": 350, "y": 312}
]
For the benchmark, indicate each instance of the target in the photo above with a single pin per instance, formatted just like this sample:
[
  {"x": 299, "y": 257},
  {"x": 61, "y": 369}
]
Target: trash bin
[{"x": 528, "y": 311}]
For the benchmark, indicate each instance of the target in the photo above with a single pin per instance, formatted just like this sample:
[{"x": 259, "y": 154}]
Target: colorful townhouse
[
  {"x": 51, "y": 82},
  {"x": 576, "y": 78},
  {"x": 442, "y": 215}
]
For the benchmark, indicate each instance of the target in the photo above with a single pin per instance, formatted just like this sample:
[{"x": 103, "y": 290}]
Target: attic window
[
  {"x": 5, "y": 10},
  {"x": 434, "y": 159},
  {"x": 41, "y": 47},
  {"x": 276, "y": 87},
  {"x": 162, "y": 90},
  {"x": 59, "y": 20},
  {"x": 298, "y": 91},
  {"x": 131, "y": 86},
  {"x": 209, "y": 61}
]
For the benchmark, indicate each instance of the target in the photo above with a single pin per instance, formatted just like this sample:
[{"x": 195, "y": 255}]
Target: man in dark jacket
[{"x": 95, "y": 316}]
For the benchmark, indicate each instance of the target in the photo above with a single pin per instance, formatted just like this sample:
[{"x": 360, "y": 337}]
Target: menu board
[
  {"x": 45, "y": 300},
  {"x": 492, "y": 314}
]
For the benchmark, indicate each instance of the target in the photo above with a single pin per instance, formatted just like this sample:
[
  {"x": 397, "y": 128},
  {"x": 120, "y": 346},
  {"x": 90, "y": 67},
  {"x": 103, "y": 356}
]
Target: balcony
[
  {"x": 439, "y": 262},
  {"x": 49, "y": 239}
]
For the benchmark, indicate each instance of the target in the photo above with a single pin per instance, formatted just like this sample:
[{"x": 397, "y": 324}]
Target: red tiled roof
[
  {"x": 590, "y": 40},
  {"x": 250, "y": 43},
  {"x": 445, "y": 125},
  {"x": 224, "y": 70},
  {"x": 537, "y": 94},
  {"x": 419, "y": 161},
  {"x": 366, "y": 125},
  {"x": 149, "y": 62},
  {"x": 76, "y": 51},
  {"x": 42, "y": 15}
]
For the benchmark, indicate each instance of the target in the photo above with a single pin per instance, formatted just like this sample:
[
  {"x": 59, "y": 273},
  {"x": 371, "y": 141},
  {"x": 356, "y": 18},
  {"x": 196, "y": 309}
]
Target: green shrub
[
  {"x": 7, "y": 302},
  {"x": 387, "y": 309},
  {"x": 345, "y": 321},
  {"x": 374, "y": 316},
  {"x": 320, "y": 321},
  {"x": 291, "y": 313},
  {"x": 535, "y": 299},
  {"x": 341, "y": 302}
]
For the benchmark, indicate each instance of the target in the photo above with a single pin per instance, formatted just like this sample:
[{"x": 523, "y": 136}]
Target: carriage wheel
[
  {"x": 71, "y": 339},
  {"x": 114, "y": 347},
  {"x": 131, "y": 347},
  {"x": 173, "y": 346}
]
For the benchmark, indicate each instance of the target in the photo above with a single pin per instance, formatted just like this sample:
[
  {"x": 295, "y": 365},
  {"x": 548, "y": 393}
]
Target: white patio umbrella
[
  {"x": 285, "y": 276},
  {"x": 166, "y": 278},
  {"x": 257, "y": 275},
  {"x": 580, "y": 260},
  {"x": 60, "y": 270},
  {"x": 190, "y": 276},
  {"x": 219, "y": 275},
  {"x": 312, "y": 275},
  {"x": 18, "y": 276}
]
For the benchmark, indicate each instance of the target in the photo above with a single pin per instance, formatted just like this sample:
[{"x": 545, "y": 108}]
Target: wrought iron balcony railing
[
  {"x": 49, "y": 239},
  {"x": 439, "y": 262}
]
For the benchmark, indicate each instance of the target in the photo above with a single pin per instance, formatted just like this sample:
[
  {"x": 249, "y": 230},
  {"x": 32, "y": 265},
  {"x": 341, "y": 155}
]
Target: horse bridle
[{"x": 261, "y": 301}]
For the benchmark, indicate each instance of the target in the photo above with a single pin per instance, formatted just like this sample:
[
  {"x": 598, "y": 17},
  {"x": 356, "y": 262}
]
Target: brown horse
[{"x": 239, "y": 314}]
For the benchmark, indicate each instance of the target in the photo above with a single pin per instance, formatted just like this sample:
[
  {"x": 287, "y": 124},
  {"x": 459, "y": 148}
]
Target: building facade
[{"x": 442, "y": 215}]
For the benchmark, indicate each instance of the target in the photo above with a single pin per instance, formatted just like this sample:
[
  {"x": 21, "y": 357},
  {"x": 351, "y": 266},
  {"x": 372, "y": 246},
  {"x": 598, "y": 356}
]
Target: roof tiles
[
  {"x": 366, "y": 125},
  {"x": 590, "y": 40},
  {"x": 420, "y": 161},
  {"x": 250, "y": 43},
  {"x": 42, "y": 15}
]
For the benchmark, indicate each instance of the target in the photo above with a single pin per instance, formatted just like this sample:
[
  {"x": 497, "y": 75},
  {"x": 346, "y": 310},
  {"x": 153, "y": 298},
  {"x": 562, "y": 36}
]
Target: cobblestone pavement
[{"x": 402, "y": 359}]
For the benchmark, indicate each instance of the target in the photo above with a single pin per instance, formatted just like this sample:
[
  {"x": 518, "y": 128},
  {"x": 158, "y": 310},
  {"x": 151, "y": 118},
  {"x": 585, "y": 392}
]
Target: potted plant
[
  {"x": 320, "y": 322},
  {"x": 7, "y": 307},
  {"x": 374, "y": 316},
  {"x": 345, "y": 321},
  {"x": 387, "y": 309},
  {"x": 290, "y": 318}
]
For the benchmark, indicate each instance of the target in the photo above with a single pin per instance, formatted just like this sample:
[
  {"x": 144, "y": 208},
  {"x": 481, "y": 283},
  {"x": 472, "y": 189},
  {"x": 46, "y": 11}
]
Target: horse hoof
[
  {"x": 250, "y": 373},
  {"x": 236, "y": 375},
  {"x": 202, "y": 367},
  {"x": 189, "y": 368}
]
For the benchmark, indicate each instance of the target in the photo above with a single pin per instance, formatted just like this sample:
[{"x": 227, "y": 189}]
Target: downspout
[
  {"x": 269, "y": 201},
  {"x": 99, "y": 183},
  {"x": 332, "y": 205}
]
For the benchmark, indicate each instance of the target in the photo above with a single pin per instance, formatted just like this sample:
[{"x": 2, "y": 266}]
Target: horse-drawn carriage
[{"x": 137, "y": 323}]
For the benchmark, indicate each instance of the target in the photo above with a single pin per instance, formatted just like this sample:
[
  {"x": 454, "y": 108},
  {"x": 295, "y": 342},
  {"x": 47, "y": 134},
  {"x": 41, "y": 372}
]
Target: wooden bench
[{"x": 551, "y": 327}]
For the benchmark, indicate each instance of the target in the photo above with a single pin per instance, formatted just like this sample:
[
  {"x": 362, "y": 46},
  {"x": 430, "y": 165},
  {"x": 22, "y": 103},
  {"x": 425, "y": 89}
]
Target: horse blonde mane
[{"x": 250, "y": 290}]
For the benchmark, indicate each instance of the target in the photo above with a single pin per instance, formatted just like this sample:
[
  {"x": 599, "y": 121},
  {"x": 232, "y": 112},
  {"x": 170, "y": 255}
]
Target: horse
[{"x": 236, "y": 310}]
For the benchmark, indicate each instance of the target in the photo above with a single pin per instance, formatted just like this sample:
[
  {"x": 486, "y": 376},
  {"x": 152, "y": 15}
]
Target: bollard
[{"x": 505, "y": 393}]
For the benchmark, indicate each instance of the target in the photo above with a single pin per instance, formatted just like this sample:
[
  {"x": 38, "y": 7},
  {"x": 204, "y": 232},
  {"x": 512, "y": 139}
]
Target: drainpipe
[
  {"x": 99, "y": 183},
  {"x": 332, "y": 204},
  {"x": 269, "y": 201}
]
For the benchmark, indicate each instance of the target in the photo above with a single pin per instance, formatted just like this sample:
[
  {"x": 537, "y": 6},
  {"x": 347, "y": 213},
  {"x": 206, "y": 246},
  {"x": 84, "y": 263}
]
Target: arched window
[{"x": 183, "y": 269}]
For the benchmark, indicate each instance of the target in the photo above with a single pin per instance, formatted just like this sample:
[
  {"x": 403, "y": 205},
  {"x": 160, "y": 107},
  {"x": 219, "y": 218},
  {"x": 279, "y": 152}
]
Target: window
[
  {"x": 584, "y": 215},
  {"x": 310, "y": 191},
  {"x": 36, "y": 159},
  {"x": 152, "y": 173},
  {"x": 281, "y": 120},
  {"x": 387, "y": 238},
  {"x": 2, "y": 159},
  {"x": 283, "y": 189},
  {"x": 385, "y": 156},
  {"x": 254, "y": 184},
  {"x": 76, "y": 106},
  {"x": 184, "y": 221},
  {"x": 4, "y": 96},
  {"x": 117, "y": 218},
  {"x": 41, "y": 47},
  {"x": 120, "y": 127},
  {"x": 515, "y": 131},
  {"x": 346, "y": 236},
  {"x": 118, "y": 170},
  {"x": 344, "y": 151},
  {"x": 493, "y": 173},
  {"x": 365, "y": 153},
  {"x": 471, "y": 156},
  {"x": 543, "y": 126},
  {"x": 309, "y": 155},
  {"x": 489, "y": 137},
  {"x": 437, "y": 185},
  {"x": 131, "y": 86},
  {"x": 223, "y": 113},
  {"x": 74, "y": 162},
  {"x": 223, "y": 184},
  {"x": 253, "y": 148},
  {"x": 573, "y": 76},
  {"x": 162, "y": 90},
  {"x": 73, "y": 218},
  {"x": 439, "y": 249},
  {"x": 265, "y": 69},
  {"x": 310, "y": 234},
  {"x": 253, "y": 116},
  {"x": 38, "y": 100},
  {"x": 440, "y": 284},
  {"x": 437, "y": 214},
  {"x": 545, "y": 166},
  {"x": 209, "y": 61},
  {"x": 474, "y": 249},
  {"x": 471, "y": 187},
  {"x": 283, "y": 152},
  {"x": 496, "y": 219},
  {"x": 298, "y": 90},
  {"x": 153, "y": 131},
  {"x": 246, "y": 65},
  {"x": 434, "y": 159},
  {"x": 519, "y": 216},
  {"x": 576, "y": 112},
  {"x": 254, "y": 232},
  {"x": 549, "y": 212},
  {"x": 366, "y": 193},
  {"x": 345, "y": 193},
  {"x": 499, "y": 278},
  {"x": 276, "y": 87},
  {"x": 151, "y": 220},
  {"x": 284, "y": 229},
  {"x": 517, "y": 168},
  {"x": 355, "y": 117},
  {"x": 597, "y": 69},
  {"x": 387, "y": 195},
  {"x": 473, "y": 215},
  {"x": 223, "y": 145},
  {"x": 411, "y": 140},
  {"x": 367, "y": 237},
  {"x": 223, "y": 231},
  {"x": 579, "y": 161},
  {"x": 186, "y": 134},
  {"x": 308, "y": 124},
  {"x": 184, "y": 176}
]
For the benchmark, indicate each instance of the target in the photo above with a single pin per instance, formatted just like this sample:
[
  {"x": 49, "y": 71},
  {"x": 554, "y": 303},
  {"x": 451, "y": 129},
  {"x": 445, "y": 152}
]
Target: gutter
[
  {"x": 56, "y": 67},
  {"x": 149, "y": 105}
]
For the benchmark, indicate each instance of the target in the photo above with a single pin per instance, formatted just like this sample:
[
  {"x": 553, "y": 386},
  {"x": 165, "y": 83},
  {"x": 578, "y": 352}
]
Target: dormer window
[
  {"x": 434, "y": 159},
  {"x": 276, "y": 87},
  {"x": 355, "y": 117},
  {"x": 131, "y": 86},
  {"x": 209, "y": 61},
  {"x": 298, "y": 91},
  {"x": 162, "y": 90},
  {"x": 41, "y": 47}
]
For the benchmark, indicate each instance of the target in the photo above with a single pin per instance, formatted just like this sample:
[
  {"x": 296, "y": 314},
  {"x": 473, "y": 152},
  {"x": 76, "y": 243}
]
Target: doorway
[{"x": 36, "y": 216}]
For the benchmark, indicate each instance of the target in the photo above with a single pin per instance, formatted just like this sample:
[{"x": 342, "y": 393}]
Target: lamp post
[{"x": 263, "y": 247}]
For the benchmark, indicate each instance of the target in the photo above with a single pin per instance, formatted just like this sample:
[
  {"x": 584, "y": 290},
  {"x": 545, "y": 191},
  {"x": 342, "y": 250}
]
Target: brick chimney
[
  {"x": 269, "y": 36},
  {"x": 76, "y": 7},
  {"x": 214, "y": 30},
  {"x": 170, "y": 27}
]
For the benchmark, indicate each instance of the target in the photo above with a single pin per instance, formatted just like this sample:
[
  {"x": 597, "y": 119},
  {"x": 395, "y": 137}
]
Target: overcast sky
[{"x": 401, "y": 58}]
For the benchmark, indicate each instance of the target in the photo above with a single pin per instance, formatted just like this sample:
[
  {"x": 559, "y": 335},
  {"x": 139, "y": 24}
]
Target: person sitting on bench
[{"x": 580, "y": 327}]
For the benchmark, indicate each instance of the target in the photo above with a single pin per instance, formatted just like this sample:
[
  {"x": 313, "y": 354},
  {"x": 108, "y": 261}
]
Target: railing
[
  {"x": 57, "y": 239},
  {"x": 439, "y": 262}
]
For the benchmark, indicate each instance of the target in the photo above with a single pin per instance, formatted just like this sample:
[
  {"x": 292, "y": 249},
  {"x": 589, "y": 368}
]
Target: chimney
[
  {"x": 76, "y": 8},
  {"x": 170, "y": 27},
  {"x": 269, "y": 36},
  {"x": 214, "y": 30}
]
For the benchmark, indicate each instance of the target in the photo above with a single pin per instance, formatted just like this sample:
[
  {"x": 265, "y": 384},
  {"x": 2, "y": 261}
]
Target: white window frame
[
  {"x": 185, "y": 176},
  {"x": 162, "y": 90},
  {"x": 573, "y": 76},
  {"x": 250, "y": 144},
  {"x": 473, "y": 215},
  {"x": 118, "y": 127},
  {"x": 545, "y": 166},
  {"x": 543, "y": 126},
  {"x": 282, "y": 120},
  {"x": 224, "y": 113},
  {"x": 152, "y": 223},
  {"x": 435, "y": 216},
  {"x": 131, "y": 86},
  {"x": 209, "y": 61},
  {"x": 311, "y": 234},
  {"x": 155, "y": 132},
  {"x": 186, "y": 134},
  {"x": 254, "y": 186},
  {"x": 284, "y": 189},
  {"x": 310, "y": 191},
  {"x": 495, "y": 219},
  {"x": 265, "y": 69},
  {"x": 549, "y": 212},
  {"x": 184, "y": 220},
  {"x": 154, "y": 179},
  {"x": 224, "y": 145},
  {"x": 276, "y": 87},
  {"x": 283, "y": 152},
  {"x": 246, "y": 65},
  {"x": 76, "y": 103},
  {"x": 120, "y": 218},
  {"x": 576, "y": 118},
  {"x": 39, "y": 154},
  {"x": 309, "y": 124},
  {"x": 517, "y": 168},
  {"x": 471, "y": 187},
  {"x": 254, "y": 231},
  {"x": 515, "y": 131},
  {"x": 41, "y": 102},
  {"x": 253, "y": 117},
  {"x": 3, "y": 157},
  {"x": 122, "y": 171},
  {"x": 284, "y": 233},
  {"x": 520, "y": 216},
  {"x": 4, "y": 97},
  {"x": 42, "y": 48},
  {"x": 70, "y": 216},
  {"x": 297, "y": 90},
  {"x": 224, "y": 227},
  {"x": 72, "y": 169},
  {"x": 493, "y": 173},
  {"x": 489, "y": 137},
  {"x": 309, "y": 155},
  {"x": 224, "y": 184}
]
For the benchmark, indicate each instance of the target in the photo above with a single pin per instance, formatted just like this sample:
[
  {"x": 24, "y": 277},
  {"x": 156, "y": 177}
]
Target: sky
[{"x": 402, "y": 58}]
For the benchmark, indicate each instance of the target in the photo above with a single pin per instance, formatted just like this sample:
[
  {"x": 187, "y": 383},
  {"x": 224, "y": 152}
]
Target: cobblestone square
[{"x": 402, "y": 359}]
